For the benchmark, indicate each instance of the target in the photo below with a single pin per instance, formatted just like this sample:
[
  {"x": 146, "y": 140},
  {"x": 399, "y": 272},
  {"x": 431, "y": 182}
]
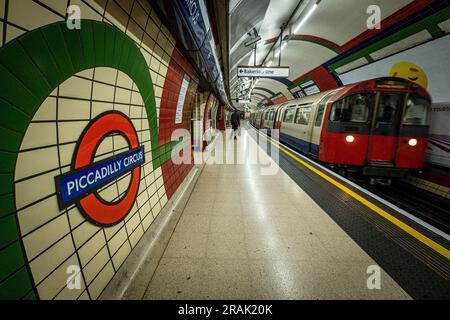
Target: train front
[{"x": 378, "y": 128}]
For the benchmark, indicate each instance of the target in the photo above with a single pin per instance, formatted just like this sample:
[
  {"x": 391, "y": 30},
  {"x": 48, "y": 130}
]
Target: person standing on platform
[{"x": 235, "y": 124}]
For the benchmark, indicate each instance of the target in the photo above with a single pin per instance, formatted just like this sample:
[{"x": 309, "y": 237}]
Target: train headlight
[
  {"x": 350, "y": 139},
  {"x": 412, "y": 142}
]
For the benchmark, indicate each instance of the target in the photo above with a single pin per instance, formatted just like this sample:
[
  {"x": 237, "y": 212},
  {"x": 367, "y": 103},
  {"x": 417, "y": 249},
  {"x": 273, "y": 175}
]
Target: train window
[
  {"x": 320, "y": 113},
  {"x": 321, "y": 109},
  {"x": 388, "y": 108},
  {"x": 289, "y": 115},
  {"x": 416, "y": 111},
  {"x": 303, "y": 116},
  {"x": 354, "y": 108}
]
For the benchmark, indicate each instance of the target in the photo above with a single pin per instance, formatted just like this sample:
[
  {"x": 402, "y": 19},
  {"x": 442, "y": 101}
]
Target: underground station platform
[{"x": 221, "y": 159}]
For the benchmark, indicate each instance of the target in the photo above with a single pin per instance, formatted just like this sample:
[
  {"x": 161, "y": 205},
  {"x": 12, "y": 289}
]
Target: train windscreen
[
  {"x": 416, "y": 112},
  {"x": 355, "y": 108}
]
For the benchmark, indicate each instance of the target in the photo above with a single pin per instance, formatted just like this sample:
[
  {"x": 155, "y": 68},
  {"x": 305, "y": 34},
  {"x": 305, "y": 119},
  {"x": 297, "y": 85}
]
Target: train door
[
  {"x": 278, "y": 118},
  {"x": 288, "y": 126},
  {"x": 270, "y": 121},
  {"x": 383, "y": 140},
  {"x": 319, "y": 116},
  {"x": 303, "y": 128}
]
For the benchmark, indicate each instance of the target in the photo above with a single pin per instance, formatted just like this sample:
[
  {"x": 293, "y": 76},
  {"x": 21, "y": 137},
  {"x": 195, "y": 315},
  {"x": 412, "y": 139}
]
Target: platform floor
[{"x": 244, "y": 235}]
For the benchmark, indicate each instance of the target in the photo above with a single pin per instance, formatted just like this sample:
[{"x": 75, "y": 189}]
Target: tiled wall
[{"x": 38, "y": 241}]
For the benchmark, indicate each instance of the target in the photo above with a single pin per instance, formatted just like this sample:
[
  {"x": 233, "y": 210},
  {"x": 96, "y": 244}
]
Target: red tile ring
[{"x": 93, "y": 206}]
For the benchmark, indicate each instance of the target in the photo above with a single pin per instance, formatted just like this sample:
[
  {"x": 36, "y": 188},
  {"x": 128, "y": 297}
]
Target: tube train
[{"x": 376, "y": 129}]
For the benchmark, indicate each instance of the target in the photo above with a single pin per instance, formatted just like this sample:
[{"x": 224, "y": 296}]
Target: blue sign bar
[{"x": 78, "y": 184}]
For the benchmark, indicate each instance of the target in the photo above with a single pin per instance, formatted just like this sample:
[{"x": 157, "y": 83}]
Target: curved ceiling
[{"x": 325, "y": 33}]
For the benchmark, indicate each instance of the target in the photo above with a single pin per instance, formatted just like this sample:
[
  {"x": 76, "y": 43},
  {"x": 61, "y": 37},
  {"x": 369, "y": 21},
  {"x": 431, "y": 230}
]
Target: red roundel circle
[{"x": 97, "y": 210}]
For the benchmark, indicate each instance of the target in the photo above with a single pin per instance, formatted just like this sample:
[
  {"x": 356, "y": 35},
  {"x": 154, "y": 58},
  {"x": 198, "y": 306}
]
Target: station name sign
[
  {"x": 77, "y": 184},
  {"x": 263, "y": 72}
]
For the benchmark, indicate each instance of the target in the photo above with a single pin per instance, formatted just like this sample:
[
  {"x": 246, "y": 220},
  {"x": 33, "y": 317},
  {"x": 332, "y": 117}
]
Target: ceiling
[{"x": 323, "y": 33}]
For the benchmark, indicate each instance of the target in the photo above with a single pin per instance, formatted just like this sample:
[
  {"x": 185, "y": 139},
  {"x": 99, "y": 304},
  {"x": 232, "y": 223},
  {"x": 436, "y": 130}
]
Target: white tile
[
  {"x": 148, "y": 220},
  {"x": 101, "y": 281},
  {"x": 76, "y": 87},
  {"x": 70, "y": 109},
  {"x": 136, "y": 236},
  {"x": 96, "y": 265},
  {"x": 88, "y": 74},
  {"x": 100, "y": 107},
  {"x": 117, "y": 240},
  {"x": 35, "y": 216},
  {"x": 123, "y": 96},
  {"x": 2, "y": 8},
  {"x": 66, "y": 153},
  {"x": 86, "y": 11},
  {"x": 109, "y": 193},
  {"x": 124, "y": 81},
  {"x": 103, "y": 92},
  {"x": 121, "y": 255},
  {"x": 30, "y": 15},
  {"x": 34, "y": 162},
  {"x": 91, "y": 248},
  {"x": 47, "y": 110},
  {"x": 71, "y": 131},
  {"x": 107, "y": 75},
  {"x": 49, "y": 260},
  {"x": 124, "y": 108},
  {"x": 39, "y": 135},
  {"x": 84, "y": 232},
  {"x": 12, "y": 33},
  {"x": 35, "y": 189},
  {"x": 75, "y": 217},
  {"x": 46, "y": 236},
  {"x": 133, "y": 221},
  {"x": 60, "y": 6},
  {"x": 57, "y": 281}
]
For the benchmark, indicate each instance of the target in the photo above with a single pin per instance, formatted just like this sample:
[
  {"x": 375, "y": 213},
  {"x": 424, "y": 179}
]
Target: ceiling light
[{"x": 310, "y": 12}]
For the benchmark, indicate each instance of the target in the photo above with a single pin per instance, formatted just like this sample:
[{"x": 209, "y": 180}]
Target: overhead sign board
[{"x": 263, "y": 72}]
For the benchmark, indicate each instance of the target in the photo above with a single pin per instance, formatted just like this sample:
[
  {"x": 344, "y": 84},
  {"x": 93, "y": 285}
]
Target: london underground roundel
[{"x": 87, "y": 177}]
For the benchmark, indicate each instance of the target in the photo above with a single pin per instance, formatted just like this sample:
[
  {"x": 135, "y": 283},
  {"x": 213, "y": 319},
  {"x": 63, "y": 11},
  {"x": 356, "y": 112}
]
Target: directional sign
[{"x": 263, "y": 72}]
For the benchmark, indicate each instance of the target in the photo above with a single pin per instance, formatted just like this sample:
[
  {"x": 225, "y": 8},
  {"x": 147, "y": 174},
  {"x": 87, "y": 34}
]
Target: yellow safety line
[{"x": 411, "y": 231}]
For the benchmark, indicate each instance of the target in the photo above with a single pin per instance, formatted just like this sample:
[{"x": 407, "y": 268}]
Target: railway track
[{"x": 423, "y": 204}]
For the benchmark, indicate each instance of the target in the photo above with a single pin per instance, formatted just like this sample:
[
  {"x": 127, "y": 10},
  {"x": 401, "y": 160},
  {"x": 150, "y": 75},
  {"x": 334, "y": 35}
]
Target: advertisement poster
[{"x": 181, "y": 99}]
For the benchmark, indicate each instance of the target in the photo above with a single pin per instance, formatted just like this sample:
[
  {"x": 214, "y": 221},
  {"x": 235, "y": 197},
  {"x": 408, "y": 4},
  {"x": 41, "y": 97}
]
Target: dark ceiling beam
[{"x": 218, "y": 12}]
